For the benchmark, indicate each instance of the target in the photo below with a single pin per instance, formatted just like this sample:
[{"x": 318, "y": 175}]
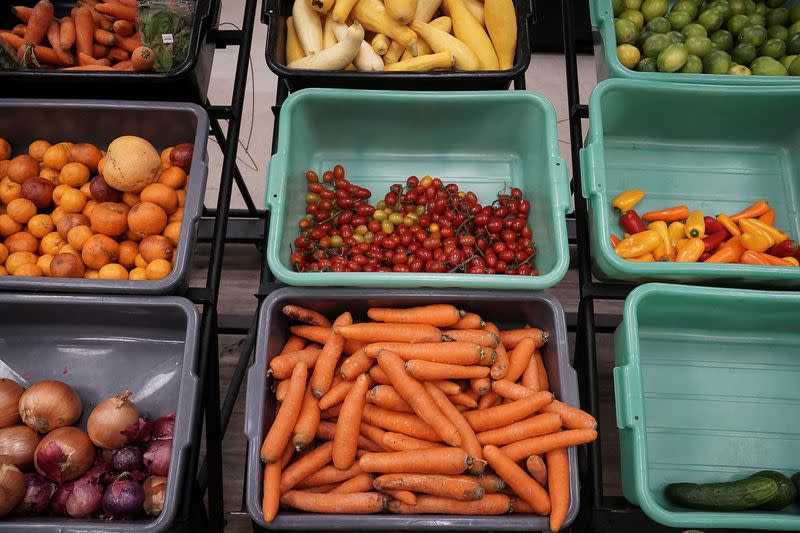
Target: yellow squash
[
  {"x": 501, "y": 22},
  {"x": 444, "y": 24},
  {"x": 373, "y": 16},
  {"x": 468, "y": 30},
  {"x": 444, "y": 60},
  {"x": 401, "y": 11},
  {"x": 293, "y": 49},
  {"x": 441, "y": 41}
]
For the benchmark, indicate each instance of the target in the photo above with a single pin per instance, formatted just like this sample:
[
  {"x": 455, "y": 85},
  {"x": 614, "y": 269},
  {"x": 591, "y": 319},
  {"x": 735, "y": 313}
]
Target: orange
[
  {"x": 4, "y": 272},
  {"x": 44, "y": 263},
  {"x": 10, "y": 191},
  {"x": 147, "y": 218},
  {"x": 4, "y": 168},
  {"x": 3, "y": 253},
  {"x": 131, "y": 198},
  {"x": 69, "y": 221},
  {"x": 165, "y": 162},
  {"x": 8, "y": 225},
  {"x": 21, "y": 210},
  {"x": 57, "y": 214},
  {"x": 99, "y": 250},
  {"x": 86, "y": 154},
  {"x": 138, "y": 273},
  {"x": 177, "y": 216},
  {"x": 128, "y": 250},
  {"x": 18, "y": 259},
  {"x": 40, "y": 225},
  {"x": 155, "y": 247},
  {"x": 21, "y": 241},
  {"x": 59, "y": 191},
  {"x": 100, "y": 165},
  {"x": 113, "y": 271},
  {"x": 110, "y": 218},
  {"x": 5, "y": 150},
  {"x": 89, "y": 207},
  {"x": 73, "y": 201},
  {"x": 173, "y": 177},
  {"x": 139, "y": 261},
  {"x": 29, "y": 270},
  {"x": 77, "y": 236},
  {"x": 49, "y": 174},
  {"x": 158, "y": 269},
  {"x": 38, "y": 148},
  {"x": 56, "y": 156},
  {"x": 161, "y": 195},
  {"x": 23, "y": 167},
  {"x": 67, "y": 266},
  {"x": 131, "y": 236},
  {"x": 75, "y": 174},
  {"x": 67, "y": 249},
  {"x": 181, "y": 197},
  {"x": 52, "y": 243},
  {"x": 173, "y": 232},
  {"x": 91, "y": 274},
  {"x": 86, "y": 189}
]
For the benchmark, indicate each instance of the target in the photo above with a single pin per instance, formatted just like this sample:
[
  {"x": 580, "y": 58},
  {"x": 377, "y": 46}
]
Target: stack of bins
[{"x": 715, "y": 143}]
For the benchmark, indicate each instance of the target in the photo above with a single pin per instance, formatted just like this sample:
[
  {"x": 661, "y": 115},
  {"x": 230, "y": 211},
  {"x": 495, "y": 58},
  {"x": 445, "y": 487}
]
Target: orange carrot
[
  {"x": 327, "y": 430},
  {"x": 54, "y": 36},
  {"x": 758, "y": 208},
  {"x": 571, "y": 417},
  {"x": 439, "y": 315},
  {"x": 388, "y": 332},
  {"x": 478, "y": 336},
  {"x": 463, "y": 399},
  {"x": 22, "y": 12},
  {"x": 530, "y": 377},
  {"x": 490, "y": 483},
  {"x": 332, "y": 412},
  {"x": 404, "y": 423},
  {"x": 537, "y": 469},
  {"x": 398, "y": 442},
  {"x": 99, "y": 51},
  {"x": 38, "y": 22},
  {"x": 500, "y": 366},
  {"x": 454, "y": 353},
  {"x": 281, "y": 366},
  {"x": 428, "y": 370},
  {"x": 305, "y": 466},
  {"x": 488, "y": 356},
  {"x": 469, "y": 321},
  {"x": 404, "y": 496},
  {"x": 360, "y": 483},
  {"x": 417, "y": 397},
  {"x": 447, "y": 387},
  {"x": 106, "y": 38},
  {"x": 295, "y": 312},
  {"x": 558, "y": 484},
  {"x": 429, "y": 461},
  {"x": 36, "y": 53},
  {"x": 511, "y": 338},
  {"x": 503, "y": 415},
  {"x": 671, "y": 214},
  {"x": 320, "y": 334},
  {"x": 345, "y": 440},
  {"x": 511, "y": 391},
  {"x": 387, "y": 397},
  {"x": 104, "y": 22},
  {"x": 284, "y": 422},
  {"x": 293, "y": 343},
  {"x": 84, "y": 31},
  {"x": 768, "y": 217},
  {"x": 117, "y": 10},
  {"x": 516, "y": 478},
  {"x": 373, "y": 433},
  {"x": 126, "y": 29},
  {"x": 336, "y": 394},
  {"x": 329, "y": 474},
  {"x": 480, "y": 385},
  {"x": 90, "y": 67},
  {"x": 14, "y": 41},
  {"x": 377, "y": 375},
  {"x": 490, "y": 504},
  {"x": 469, "y": 440},
  {"x": 356, "y": 364},
  {"x": 325, "y": 489},
  {"x": 143, "y": 58},
  {"x": 307, "y": 421},
  {"x": 544, "y": 382},
  {"x": 489, "y": 399},
  {"x": 272, "y": 485},
  {"x": 529, "y": 427},
  {"x": 129, "y": 43},
  {"x": 519, "y": 450},
  {"x": 352, "y": 503},
  {"x": 328, "y": 358},
  {"x": 438, "y": 485},
  {"x": 519, "y": 358}
]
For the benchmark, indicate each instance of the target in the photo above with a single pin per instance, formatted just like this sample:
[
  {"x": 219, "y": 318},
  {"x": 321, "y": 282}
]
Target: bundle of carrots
[
  {"x": 94, "y": 36},
  {"x": 421, "y": 410}
]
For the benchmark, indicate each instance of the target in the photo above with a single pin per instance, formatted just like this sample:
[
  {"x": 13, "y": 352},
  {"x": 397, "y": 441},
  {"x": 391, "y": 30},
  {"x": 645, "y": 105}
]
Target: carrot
[
  {"x": 328, "y": 358},
  {"x": 22, "y": 12},
  {"x": 439, "y": 315},
  {"x": 320, "y": 334},
  {"x": 327, "y": 430},
  {"x": 126, "y": 29},
  {"x": 768, "y": 217},
  {"x": 293, "y": 343},
  {"x": 758, "y": 208},
  {"x": 84, "y": 31},
  {"x": 415, "y": 394},
  {"x": 490, "y": 504},
  {"x": 398, "y": 442},
  {"x": 427, "y": 370},
  {"x": 352, "y": 503},
  {"x": 281, "y": 366},
  {"x": 388, "y": 332},
  {"x": 478, "y": 336},
  {"x": 429, "y": 461},
  {"x": 447, "y": 387},
  {"x": 305, "y": 428},
  {"x": 89, "y": 67},
  {"x": 519, "y": 358},
  {"x": 488, "y": 400},
  {"x": 537, "y": 469},
  {"x": 530, "y": 377},
  {"x": 373, "y": 433},
  {"x": 99, "y": 51},
  {"x": 143, "y": 58},
  {"x": 54, "y": 36},
  {"x": 129, "y": 43},
  {"x": 404, "y": 423},
  {"x": 106, "y": 38},
  {"x": 325, "y": 489},
  {"x": 437, "y": 485},
  {"x": 305, "y": 466},
  {"x": 360, "y": 483},
  {"x": 469, "y": 321},
  {"x": 284, "y": 422},
  {"x": 558, "y": 484},
  {"x": 480, "y": 385},
  {"x": 500, "y": 365},
  {"x": 529, "y": 427},
  {"x": 488, "y": 356},
  {"x": 404, "y": 496},
  {"x": 538, "y": 445},
  {"x": 104, "y": 22},
  {"x": 336, "y": 394},
  {"x": 36, "y": 53},
  {"x": 272, "y": 484},
  {"x": 511, "y": 338},
  {"x": 38, "y": 22},
  {"x": 131, "y": 3},
  {"x": 345, "y": 440},
  {"x": 463, "y": 399},
  {"x": 329, "y": 474},
  {"x": 123, "y": 65},
  {"x": 516, "y": 478},
  {"x": 117, "y": 10},
  {"x": 331, "y": 412},
  {"x": 502, "y": 415},
  {"x": 295, "y": 312},
  {"x": 377, "y": 375},
  {"x": 544, "y": 382},
  {"x": 67, "y": 33},
  {"x": 511, "y": 391},
  {"x": 490, "y": 483},
  {"x": 387, "y": 397},
  {"x": 356, "y": 364},
  {"x": 455, "y": 353},
  {"x": 468, "y": 438},
  {"x": 571, "y": 417}
]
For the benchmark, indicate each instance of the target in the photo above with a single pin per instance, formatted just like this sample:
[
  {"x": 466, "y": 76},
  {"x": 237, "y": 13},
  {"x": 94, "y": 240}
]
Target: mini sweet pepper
[{"x": 639, "y": 244}]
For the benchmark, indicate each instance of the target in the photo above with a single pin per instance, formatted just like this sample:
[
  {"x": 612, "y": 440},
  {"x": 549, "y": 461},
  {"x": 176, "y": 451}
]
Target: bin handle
[
  {"x": 563, "y": 194},
  {"x": 254, "y": 397},
  {"x": 270, "y": 8},
  {"x": 592, "y": 159},
  {"x": 192, "y": 385},
  {"x": 275, "y": 181},
  {"x": 595, "y": 11},
  {"x": 204, "y": 4},
  {"x": 626, "y": 416}
]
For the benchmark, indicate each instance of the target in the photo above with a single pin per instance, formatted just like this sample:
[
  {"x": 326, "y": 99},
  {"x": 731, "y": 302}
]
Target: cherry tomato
[
  {"x": 500, "y": 266},
  {"x": 326, "y": 194},
  {"x": 311, "y": 176},
  {"x": 390, "y": 198},
  {"x": 506, "y": 255},
  {"x": 500, "y": 212},
  {"x": 495, "y": 225},
  {"x": 481, "y": 220},
  {"x": 508, "y": 235},
  {"x": 338, "y": 172},
  {"x": 412, "y": 182},
  {"x": 327, "y": 176}
]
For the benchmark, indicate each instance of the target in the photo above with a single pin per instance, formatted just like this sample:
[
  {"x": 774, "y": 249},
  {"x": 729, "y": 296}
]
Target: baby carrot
[
  {"x": 469, "y": 321},
  {"x": 500, "y": 365},
  {"x": 439, "y": 315},
  {"x": 437, "y": 485},
  {"x": 538, "y": 445},
  {"x": 511, "y": 391},
  {"x": 429, "y": 461},
  {"x": 519, "y": 358},
  {"x": 456, "y": 353},
  {"x": 480, "y": 385},
  {"x": 388, "y": 332},
  {"x": 305, "y": 429},
  {"x": 503, "y": 415},
  {"x": 478, "y": 336},
  {"x": 356, "y": 364},
  {"x": 516, "y": 478},
  {"x": 281, "y": 366},
  {"x": 571, "y": 417},
  {"x": 281, "y": 429},
  {"x": 529, "y": 427},
  {"x": 301, "y": 314},
  {"x": 404, "y": 423},
  {"x": 328, "y": 358},
  {"x": 468, "y": 439},
  {"x": 336, "y": 394},
  {"x": 352, "y": 503},
  {"x": 490, "y": 504},
  {"x": 272, "y": 485},
  {"x": 360, "y": 483},
  {"x": 537, "y": 469},
  {"x": 428, "y": 370},
  {"x": 305, "y": 466},
  {"x": 530, "y": 378},
  {"x": 511, "y": 338},
  {"x": 293, "y": 344},
  {"x": 404, "y": 496},
  {"x": 345, "y": 440},
  {"x": 320, "y": 334},
  {"x": 387, "y": 397},
  {"x": 490, "y": 399},
  {"x": 329, "y": 474},
  {"x": 558, "y": 485},
  {"x": 398, "y": 442},
  {"x": 758, "y": 208}
]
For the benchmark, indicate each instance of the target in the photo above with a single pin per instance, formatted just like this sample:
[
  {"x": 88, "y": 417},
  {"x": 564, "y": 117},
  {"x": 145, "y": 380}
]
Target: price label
[{"x": 166, "y": 38}]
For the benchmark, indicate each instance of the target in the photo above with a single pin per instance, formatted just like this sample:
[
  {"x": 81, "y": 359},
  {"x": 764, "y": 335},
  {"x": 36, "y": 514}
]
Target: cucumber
[
  {"x": 731, "y": 496},
  {"x": 787, "y": 493}
]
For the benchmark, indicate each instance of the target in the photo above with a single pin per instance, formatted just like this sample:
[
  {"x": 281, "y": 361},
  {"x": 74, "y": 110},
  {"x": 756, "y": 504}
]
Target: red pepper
[
  {"x": 713, "y": 241},
  {"x": 632, "y": 223},
  {"x": 787, "y": 248},
  {"x": 712, "y": 226},
  {"x": 704, "y": 256}
]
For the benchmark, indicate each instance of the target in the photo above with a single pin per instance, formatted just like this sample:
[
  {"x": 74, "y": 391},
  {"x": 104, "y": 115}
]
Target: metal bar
[
  {"x": 219, "y": 112},
  {"x": 240, "y": 230},
  {"x": 237, "y": 176},
  {"x": 226, "y": 38},
  {"x": 234, "y": 324},
  {"x": 209, "y": 374}
]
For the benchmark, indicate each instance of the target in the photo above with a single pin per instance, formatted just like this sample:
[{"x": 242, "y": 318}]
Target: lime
[
  {"x": 654, "y": 8},
  {"x": 767, "y": 66},
  {"x": 794, "y": 13},
  {"x": 786, "y": 61},
  {"x": 749, "y": 7},
  {"x": 774, "y": 48},
  {"x": 648, "y": 64},
  {"x": 685, "y": 5},
  {"x": 775, "y": 3},
  {"x": 793, "y": 44},
  {"x": 655, "y": 44},
  {"x": 739, "y": 70},
  {"x": 679, "y": 19},
  {"x": 723, "y": 39},
  {"x": 673, "y": 57},
  {"x": 694, "y": 30},
  {"x": 634, "y": 16},
  {"x": 716, "y": 62},
  {"x": 737, "y": 7},
  {"x": 744, "y": 53},
  {"x": 761, "y": 8},
  {"x": 722, "y": 7},
  {"x": 699, "y": 46},
  {"x": 676, "y": 36},
  {"x": 778, "y": 17},
  {"x": 756, "y": 20},
  {"x": 643, "y": 38},
  {"x": 628, "y": 55},
  {"x": 658, "y": 25},
  {"x": 794, "y": 28},
  {"x": 626, "y": 31},
  {"x": 777, "y": 32},
  {"x": 711, "y": 20},
  {"x": 755, "y": 35},
  {"x": 794, "y": 68},
  {"x": 737, "y": 23},
  {"x": 633, "y": 4},
  {"x": 618, "y": 6},
  {"x": 694, "y": 65}
]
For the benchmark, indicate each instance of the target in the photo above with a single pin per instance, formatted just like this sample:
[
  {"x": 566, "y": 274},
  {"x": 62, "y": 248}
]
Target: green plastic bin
[
  {"x": 713, "y": 148},
  {"x": 483, "y": 141},
  {"x": 607, "y": 64},
  {"x": 706, "y": 384}
]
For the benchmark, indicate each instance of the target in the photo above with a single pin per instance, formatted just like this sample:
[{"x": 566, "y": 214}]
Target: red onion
[
  {"x": 123, "y": 499},
  {"x": 58, "y": 503},
  {"x": 84, "y": 501},
  {"x": 164, "y": 427},
  {"x": 127, "y": 459},
  {"x": 140, "y": 431},
  {"x": 157, "y": 457},
  {"x": 37, "y": 496}
]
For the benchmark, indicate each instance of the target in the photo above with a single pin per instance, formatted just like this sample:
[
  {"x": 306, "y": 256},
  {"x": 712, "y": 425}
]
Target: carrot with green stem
[
  {"x": 510, "y": 338},
  {"x": 519, "y": 450},
  {"x": 388, "y": 332},
  {"x": 281, "y": 366},
  {"x": 387, "y": 397},
  {"x": 117, "y": 10},
  {"x": 329, "y": 474},
  {"x": 439, "y": 315},
  {"x": 336, "y": 394},
  {"x": 469, "y": 321},
  {"x": 404, "y": 423},
  {"x": 457, "y": 353},
  {"x": 305, "y": 428},
  {"x": 490, "y": 504},
  {"x": 281, "y": 429},
  {"x": 305, "y": 466},
  {"x": 537, "y": 469},
  {"x": 442, "y": 460},
  {"x": 345, "y": 440},
  {"x": 500, "y": 365},
  {"x": 360, "y": 483},
  {"x": 302, "y": 314},
  {"x": 503, "y": 415},
  {"x": 571, "y": 417},
  {"x": 272, "y": 485},
  {"x": 351, "y": 503},
  {"x": 529, "y": 427},
  {"x": 429, "y": 370},
  {"x": 328, "y": 358},
  {"x": 519, "y": 359},
  {"x": 468, "y": 438},
  {"x": 435, "y": 484},
  {"x": 397, "y": 442},
  {"x": 84, "y": 31},
  {"x": 558, "y": 485},
  {"x": 516, "y": 478}
]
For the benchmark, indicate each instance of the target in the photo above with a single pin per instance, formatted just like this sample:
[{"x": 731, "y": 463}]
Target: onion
[
  {"x": 123, "y": 499},
  {"x": 85, "y": 498},
  {"x": 49, "y": 405},
  {"x": 164, "y": 427},
  {"x": 37, "y": 496},
  {"x": 64, "y": 454},
  {"x": 17, "y": 444},
  {"x": 12, "y": 488},
  {"x": 155, "y": 490},
  {"x": 109, "y": 419},
  {"x": 139, "y": 431},
  {"x": 10, "y": 392},
  {"x": 127, "y": 459},
  {"x": 58, "y": 503},
  {"x": 157, "y": 457}
]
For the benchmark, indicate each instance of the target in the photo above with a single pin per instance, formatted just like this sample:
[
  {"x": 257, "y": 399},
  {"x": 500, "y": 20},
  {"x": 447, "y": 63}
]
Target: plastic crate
[
  {"x": 713, "y": 148},
  {"x": 100, "y": 122},
  {"x": 481, "y": 141},
  {"x": 608, "y": 65},
  {"x": 186, "y": 82},
  {"x": 101, "y": 347},
  {"x": 706, "y": 391},
  {"x": 513, "y": 309},
  {"x": 275, "y": 13}
]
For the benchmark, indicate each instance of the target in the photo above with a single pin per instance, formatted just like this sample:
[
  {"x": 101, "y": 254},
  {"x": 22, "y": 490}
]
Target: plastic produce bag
[{"x": 166, "y": 27}]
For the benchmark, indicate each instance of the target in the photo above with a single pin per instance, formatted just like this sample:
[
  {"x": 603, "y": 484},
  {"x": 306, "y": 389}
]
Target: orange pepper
[
  {"x": 768, "y": 217},
  {"x": 614, "y": 240},
  {"x": 679, "y": 212},
  {"x": 756, "y": 210},
  {"x": 729, "y": 224},
  {"x": 749, "y": 257},
  {"x": 730, "y": 252},
  {"x": 646, "y": 258},
  {"x": 777, "y": 235},
  {"x": 792, "y": 260}
]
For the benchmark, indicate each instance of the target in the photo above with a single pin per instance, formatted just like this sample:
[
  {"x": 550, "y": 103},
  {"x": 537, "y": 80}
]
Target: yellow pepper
[
  {"x": 695, "y": 226},
  {"x": 675, "y": 233},
  {"x": 729, "y": 224},
  {"x": 640, "y": 244},
  {"x": 792, "y": 260},
  {"x": 758, "y": 242},
  {"x": 627, "y": 199},
  {"x": 747, "y": 226},
  {"x": 691, "y": 251},
  {"x": 646, "y": 258},
  {"x": 777, "y": 235},
  {"x": 665, "y": 249},
  {"x": 680, "y": 244}
]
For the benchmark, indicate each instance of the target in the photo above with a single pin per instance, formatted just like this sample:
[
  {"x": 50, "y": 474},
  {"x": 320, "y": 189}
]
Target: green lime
[
  {"x": 723, "y": 39},
  {"x": 749, "y": 7},
  {"x": 794, "y": 28},
  {"x": 737, "y": 23},
  {"x": 654, "y": 8},
  {"x": 693, "y": 65},
  {"x": 643, "y": 38},
  {"x": 698, "y": 46},
  {"x": 761, "y": 8},
  {"x": 793, "y": 44},
  {"x": 679, "y": 19},
  {"x": 711, "y": 20},
  {"x": 756, "y": 20},
  {"x": 739, "y": 70},
  {"x": 685, "y": 5},
  {"x": 618, "y": 6},
  {"x": 655, "y": 44},
  {"x": 755, "y": 35},
  {"x": 694, "y": 30},
  {"x": 786, "y": 61},
  {"x": 716, "y": 62},
  {"x": 635, "y": 17},
  {"x": 737, "y": 7},
  {"x": 658, "y": 25},
  {"x": 794, "y": 68},
  {"x": 778, "y": 17},
  {"x": 744, "y": 53},
  {"x": 723, "y": 7},
  {"x": 648, "y": 64},
  {"x": 774, "y": 48},
  {"x": 775, "y": 3},
  {"x": 676, "y": 36},
  {"x": 778, "y": 32},
  {"x": 673, "y": 57},
  {"x": 626, "y": 31},
  {"x": 767, "y": 66},
  {"x": 633, "y": 4},
  {"x": 794, "y": 13},
  {"x": 628, "y": 55}
]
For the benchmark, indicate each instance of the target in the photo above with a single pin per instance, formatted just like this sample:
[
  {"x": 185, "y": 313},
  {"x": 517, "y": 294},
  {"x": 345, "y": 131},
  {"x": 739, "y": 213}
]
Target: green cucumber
[
  {"x": 731, "y": 496},
  {"x": 787, "y": 493}
]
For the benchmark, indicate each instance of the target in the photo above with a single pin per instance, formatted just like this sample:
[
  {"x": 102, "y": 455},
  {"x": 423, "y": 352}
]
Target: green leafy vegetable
[{"x": 166, "y": 27}]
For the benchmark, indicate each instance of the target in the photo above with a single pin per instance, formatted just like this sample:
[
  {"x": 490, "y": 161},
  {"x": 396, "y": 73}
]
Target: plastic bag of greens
[{"x": 166, "y": 27}]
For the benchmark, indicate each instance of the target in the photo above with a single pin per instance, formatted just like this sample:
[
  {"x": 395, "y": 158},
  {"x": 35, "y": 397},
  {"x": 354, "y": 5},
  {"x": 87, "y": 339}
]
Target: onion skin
[
  {"x": 155, "y": 491},
  {"x": 10, "y": 393},
  {"x": 140, "y": 431},
  {"x": 157, "y": 457},
  {"x": 58, "y": 503},
  {"x": 49, "y": 405},
  {"x": 109, "y": 420},
  {"x": 38, "y": 492},
  {"x": 85, "y": 498},
  {"x": 164, "y": 427},
  {"x": 12, "y": 488},
  {"x": 127, "y": 459},
  {"x": 64, "y": 454},
  {"x": 17, "y": 444},
  {"x": 123, "y": 499}
]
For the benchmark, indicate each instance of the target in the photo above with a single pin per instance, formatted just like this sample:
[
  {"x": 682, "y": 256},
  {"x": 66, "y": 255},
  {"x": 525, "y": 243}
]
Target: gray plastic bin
[
  {"x": 102, "y": 346},
  {"x": 100, "y": 122},
  {"x": 506, "y": 309}
]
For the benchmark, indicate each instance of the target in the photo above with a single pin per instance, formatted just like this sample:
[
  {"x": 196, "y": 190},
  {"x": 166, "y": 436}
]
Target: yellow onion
[
  {"x": 12, "y": 488},
  {"x": 10, "y": 391},
  {"x": 49, "y": 405},
  {"x": 64, "y": 454},
  {"x": 109, "y": 419},
  {"x": 17, "y": 444},
  {"x": 155, "y": 490}
]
